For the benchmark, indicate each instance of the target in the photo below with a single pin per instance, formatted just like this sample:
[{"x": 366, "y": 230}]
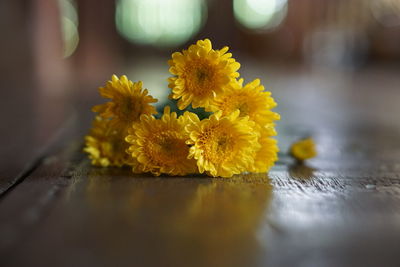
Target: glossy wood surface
[{"x": 339, "y": 209}]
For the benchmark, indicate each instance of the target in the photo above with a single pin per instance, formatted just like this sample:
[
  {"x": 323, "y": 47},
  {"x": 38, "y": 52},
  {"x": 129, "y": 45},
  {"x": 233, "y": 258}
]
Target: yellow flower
[
  {"x": 201, "y": 72},
  {"x": 105, "y": 145},
  {"x": 223, "y": 145},
  {"x": 251, "y": 100},
  {"x": 128, "y": 102},
  {"x": 267, "y": 154},
  {"x": 159, "y": 145},
  {"x": 303, "y": 149}
]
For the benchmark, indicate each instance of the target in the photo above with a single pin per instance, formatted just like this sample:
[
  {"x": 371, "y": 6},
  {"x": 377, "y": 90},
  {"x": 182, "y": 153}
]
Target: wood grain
[{"x": 339, "y": 209}]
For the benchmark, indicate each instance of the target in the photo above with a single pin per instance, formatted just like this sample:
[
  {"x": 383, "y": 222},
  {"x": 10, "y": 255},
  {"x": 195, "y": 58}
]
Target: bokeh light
[
  {"x": 69, "y": 26},
  {"x": 162, "y": 23},
  {"x": 260, "y": 14}
]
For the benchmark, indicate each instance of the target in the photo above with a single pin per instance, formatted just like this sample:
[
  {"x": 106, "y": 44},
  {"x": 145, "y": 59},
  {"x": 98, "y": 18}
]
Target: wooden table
[{"x": 339, "y": 209}]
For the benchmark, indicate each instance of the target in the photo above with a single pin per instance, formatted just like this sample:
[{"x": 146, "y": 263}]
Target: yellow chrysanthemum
[
  {"x": 128, "y": 102},
  {"x": 105, "y": 145},
  {"x": 201, "y": 72},
  {"x": 223, "y": 145},
  {"x": 303, "y": 149},
  {"x": 268, "y": 153},
  {"x": 250, "y": 99},
  {"x": 159, "y": 145}
]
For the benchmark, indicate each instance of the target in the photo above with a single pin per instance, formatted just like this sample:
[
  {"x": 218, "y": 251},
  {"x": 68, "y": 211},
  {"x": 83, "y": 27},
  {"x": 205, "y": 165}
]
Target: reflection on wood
[
  {"x": 339, "y": 209},
  {"x": 122, "y": 219},
  {"x": 203, "y": 221}
]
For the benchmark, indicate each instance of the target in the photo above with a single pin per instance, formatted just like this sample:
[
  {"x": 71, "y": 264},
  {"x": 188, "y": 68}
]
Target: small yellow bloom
[
  {"x": 250, "y": 99},
  {"x": 200, "y": 73},
  {"x": 268, "y": 153},
  {"x": 303, "y": 149},
  {"x": 159, "y": 145},
  {"x": 223, "y": 145},
  {"x": 105, "y": 145},
  {"x": 128, "y": 102}
]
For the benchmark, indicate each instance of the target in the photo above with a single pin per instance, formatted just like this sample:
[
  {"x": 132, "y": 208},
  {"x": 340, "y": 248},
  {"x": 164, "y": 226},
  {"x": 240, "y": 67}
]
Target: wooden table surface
[{"x": 339, "y": 209}]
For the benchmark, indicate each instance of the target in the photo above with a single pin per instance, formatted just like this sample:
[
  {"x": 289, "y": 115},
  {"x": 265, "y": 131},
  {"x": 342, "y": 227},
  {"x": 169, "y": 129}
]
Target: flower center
[
  {"x": 218, "y": 147},
  {"x": 201, "y": 78},
  {"x": 130, "y": 109},
  {"x": 168, "y": 149},
  {"x": 222, "y": 143},
  {"x": 169, "y": 146},
  {"x": 244, "y": 109}
]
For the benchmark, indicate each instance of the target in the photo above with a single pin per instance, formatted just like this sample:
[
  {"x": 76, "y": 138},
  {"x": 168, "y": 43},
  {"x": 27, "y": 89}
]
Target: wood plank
[
  {"x": 100, "y": 217},
  {"x": 340, "y": 209}
]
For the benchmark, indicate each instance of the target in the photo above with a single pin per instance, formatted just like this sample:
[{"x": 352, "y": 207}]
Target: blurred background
[{"x": 322, "y": 60}]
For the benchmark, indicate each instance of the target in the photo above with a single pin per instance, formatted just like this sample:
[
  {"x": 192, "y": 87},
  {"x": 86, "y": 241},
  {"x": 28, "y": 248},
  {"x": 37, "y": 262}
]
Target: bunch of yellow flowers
[{"x": 237, "y": 137}]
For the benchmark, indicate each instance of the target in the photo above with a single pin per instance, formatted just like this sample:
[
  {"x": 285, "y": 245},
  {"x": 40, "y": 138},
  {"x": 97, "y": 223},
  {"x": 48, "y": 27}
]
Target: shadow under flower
[{"x": 301, "y": 171}]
